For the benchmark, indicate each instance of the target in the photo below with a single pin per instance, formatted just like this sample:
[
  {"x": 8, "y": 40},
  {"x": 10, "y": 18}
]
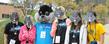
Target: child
[
  {"x": 12, "y": 29},
  {"x": 60, "y": 26},
  {"x": 27, "y": 32},
  {"x": 96, "y": 30},
  {"x": 78, "y": 32}
]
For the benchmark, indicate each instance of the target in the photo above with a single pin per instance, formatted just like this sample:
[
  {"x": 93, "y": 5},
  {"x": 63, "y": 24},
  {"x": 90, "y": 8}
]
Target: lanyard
[{"x": 43, "y": 27}]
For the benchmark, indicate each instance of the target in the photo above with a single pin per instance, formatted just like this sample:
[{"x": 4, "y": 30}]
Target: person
[
  {"x": 27, "y": 32},
  {"x": 96, "y": 30},
  {"x": 43, "y": 25},
  {"x": 77, "y": 29},
  {"x": 12, "y": 29},
  {"x": 60, "y": 26}
]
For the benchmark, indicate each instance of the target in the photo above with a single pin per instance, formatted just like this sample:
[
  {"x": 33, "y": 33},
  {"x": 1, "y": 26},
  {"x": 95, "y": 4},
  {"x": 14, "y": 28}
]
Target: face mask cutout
[
  {"x": 58, "y": 13},
  {"x": 75, "y": 18},
  {"x": 28, "y": 21},
  {"x": 14, "y": 17},
  {"x": 90, "y": 17}
]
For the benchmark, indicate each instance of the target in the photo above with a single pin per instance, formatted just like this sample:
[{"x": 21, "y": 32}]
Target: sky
[{"x": 5, "y": 1}]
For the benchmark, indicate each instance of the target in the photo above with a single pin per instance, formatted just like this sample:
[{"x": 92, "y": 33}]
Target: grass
[{"x": 2, "y": 25}]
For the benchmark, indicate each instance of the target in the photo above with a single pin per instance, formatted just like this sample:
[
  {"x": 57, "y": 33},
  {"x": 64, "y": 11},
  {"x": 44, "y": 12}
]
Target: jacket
[{"x": 27, "y": 35}]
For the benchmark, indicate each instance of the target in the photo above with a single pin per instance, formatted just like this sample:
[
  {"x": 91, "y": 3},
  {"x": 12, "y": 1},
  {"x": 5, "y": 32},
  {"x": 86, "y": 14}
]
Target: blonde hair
[{"x": 61, "y": 8}]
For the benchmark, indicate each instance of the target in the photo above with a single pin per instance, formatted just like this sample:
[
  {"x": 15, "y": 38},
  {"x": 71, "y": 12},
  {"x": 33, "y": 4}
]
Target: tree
[{"x": 102, "y": 11}]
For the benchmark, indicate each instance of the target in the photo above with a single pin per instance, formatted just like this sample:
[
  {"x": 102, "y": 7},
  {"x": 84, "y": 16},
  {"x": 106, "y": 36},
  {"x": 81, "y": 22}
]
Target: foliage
[{"x": 101, "y": 9}]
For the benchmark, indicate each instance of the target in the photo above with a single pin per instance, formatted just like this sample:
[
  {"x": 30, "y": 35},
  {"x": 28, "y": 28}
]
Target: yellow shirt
[{"x": 94, "y": 31}]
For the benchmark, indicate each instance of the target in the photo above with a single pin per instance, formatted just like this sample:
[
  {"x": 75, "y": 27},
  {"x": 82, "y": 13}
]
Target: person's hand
[{"x": 25, "y": 34}]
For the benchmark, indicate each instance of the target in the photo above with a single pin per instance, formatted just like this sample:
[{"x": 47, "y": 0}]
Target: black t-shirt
[
  {"x": 74, "y": 36},
  {"x": 12, "y": 31},
  {"x": 61, "y": 30}
]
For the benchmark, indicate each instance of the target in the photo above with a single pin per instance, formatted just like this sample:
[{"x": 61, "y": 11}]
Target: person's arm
[
  {"x": 101, "y": 32},
  {"x": 102, "y": 39},
  {"x": 5, "y": 38},
  {"x": 68, "y": 22},
  {"x": 22, "y": 36},
  {"x": 32, "y": 34},
  {"x": 81, "y": 34},
  {"x": 53, "y": 30},
  {"x": 86, "y": 34}
]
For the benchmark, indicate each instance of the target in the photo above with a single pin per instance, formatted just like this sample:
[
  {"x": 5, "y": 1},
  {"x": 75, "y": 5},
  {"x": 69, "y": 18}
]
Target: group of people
[{"x": 53, "y": 27}]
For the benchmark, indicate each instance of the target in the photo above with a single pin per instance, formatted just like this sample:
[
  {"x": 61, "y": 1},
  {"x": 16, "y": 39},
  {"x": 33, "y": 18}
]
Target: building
[{"x": 6, "y": 10}]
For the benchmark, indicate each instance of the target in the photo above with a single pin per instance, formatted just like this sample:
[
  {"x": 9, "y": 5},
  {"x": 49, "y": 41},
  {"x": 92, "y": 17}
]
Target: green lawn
[{"x": 2, "y": 25}]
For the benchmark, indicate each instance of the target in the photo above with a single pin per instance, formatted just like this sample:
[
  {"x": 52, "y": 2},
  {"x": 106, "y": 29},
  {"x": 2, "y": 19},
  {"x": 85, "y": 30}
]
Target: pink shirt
[{"x": 27, "y": 35}]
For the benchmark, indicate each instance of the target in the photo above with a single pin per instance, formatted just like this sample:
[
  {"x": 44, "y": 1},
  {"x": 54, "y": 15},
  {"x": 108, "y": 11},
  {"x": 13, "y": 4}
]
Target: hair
[
  {"x": 96, "y": 17},
  {"x": 61, "y": 8}
]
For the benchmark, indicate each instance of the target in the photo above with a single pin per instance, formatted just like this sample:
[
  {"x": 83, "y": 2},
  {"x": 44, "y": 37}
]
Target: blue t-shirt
[{"x": 43, "y": 33}]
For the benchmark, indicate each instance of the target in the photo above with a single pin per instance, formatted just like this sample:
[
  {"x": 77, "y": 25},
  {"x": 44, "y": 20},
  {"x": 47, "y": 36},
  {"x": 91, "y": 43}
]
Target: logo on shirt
[
  {"x": 15, "y": 28},
  {"x": 62, "y": 24}
]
